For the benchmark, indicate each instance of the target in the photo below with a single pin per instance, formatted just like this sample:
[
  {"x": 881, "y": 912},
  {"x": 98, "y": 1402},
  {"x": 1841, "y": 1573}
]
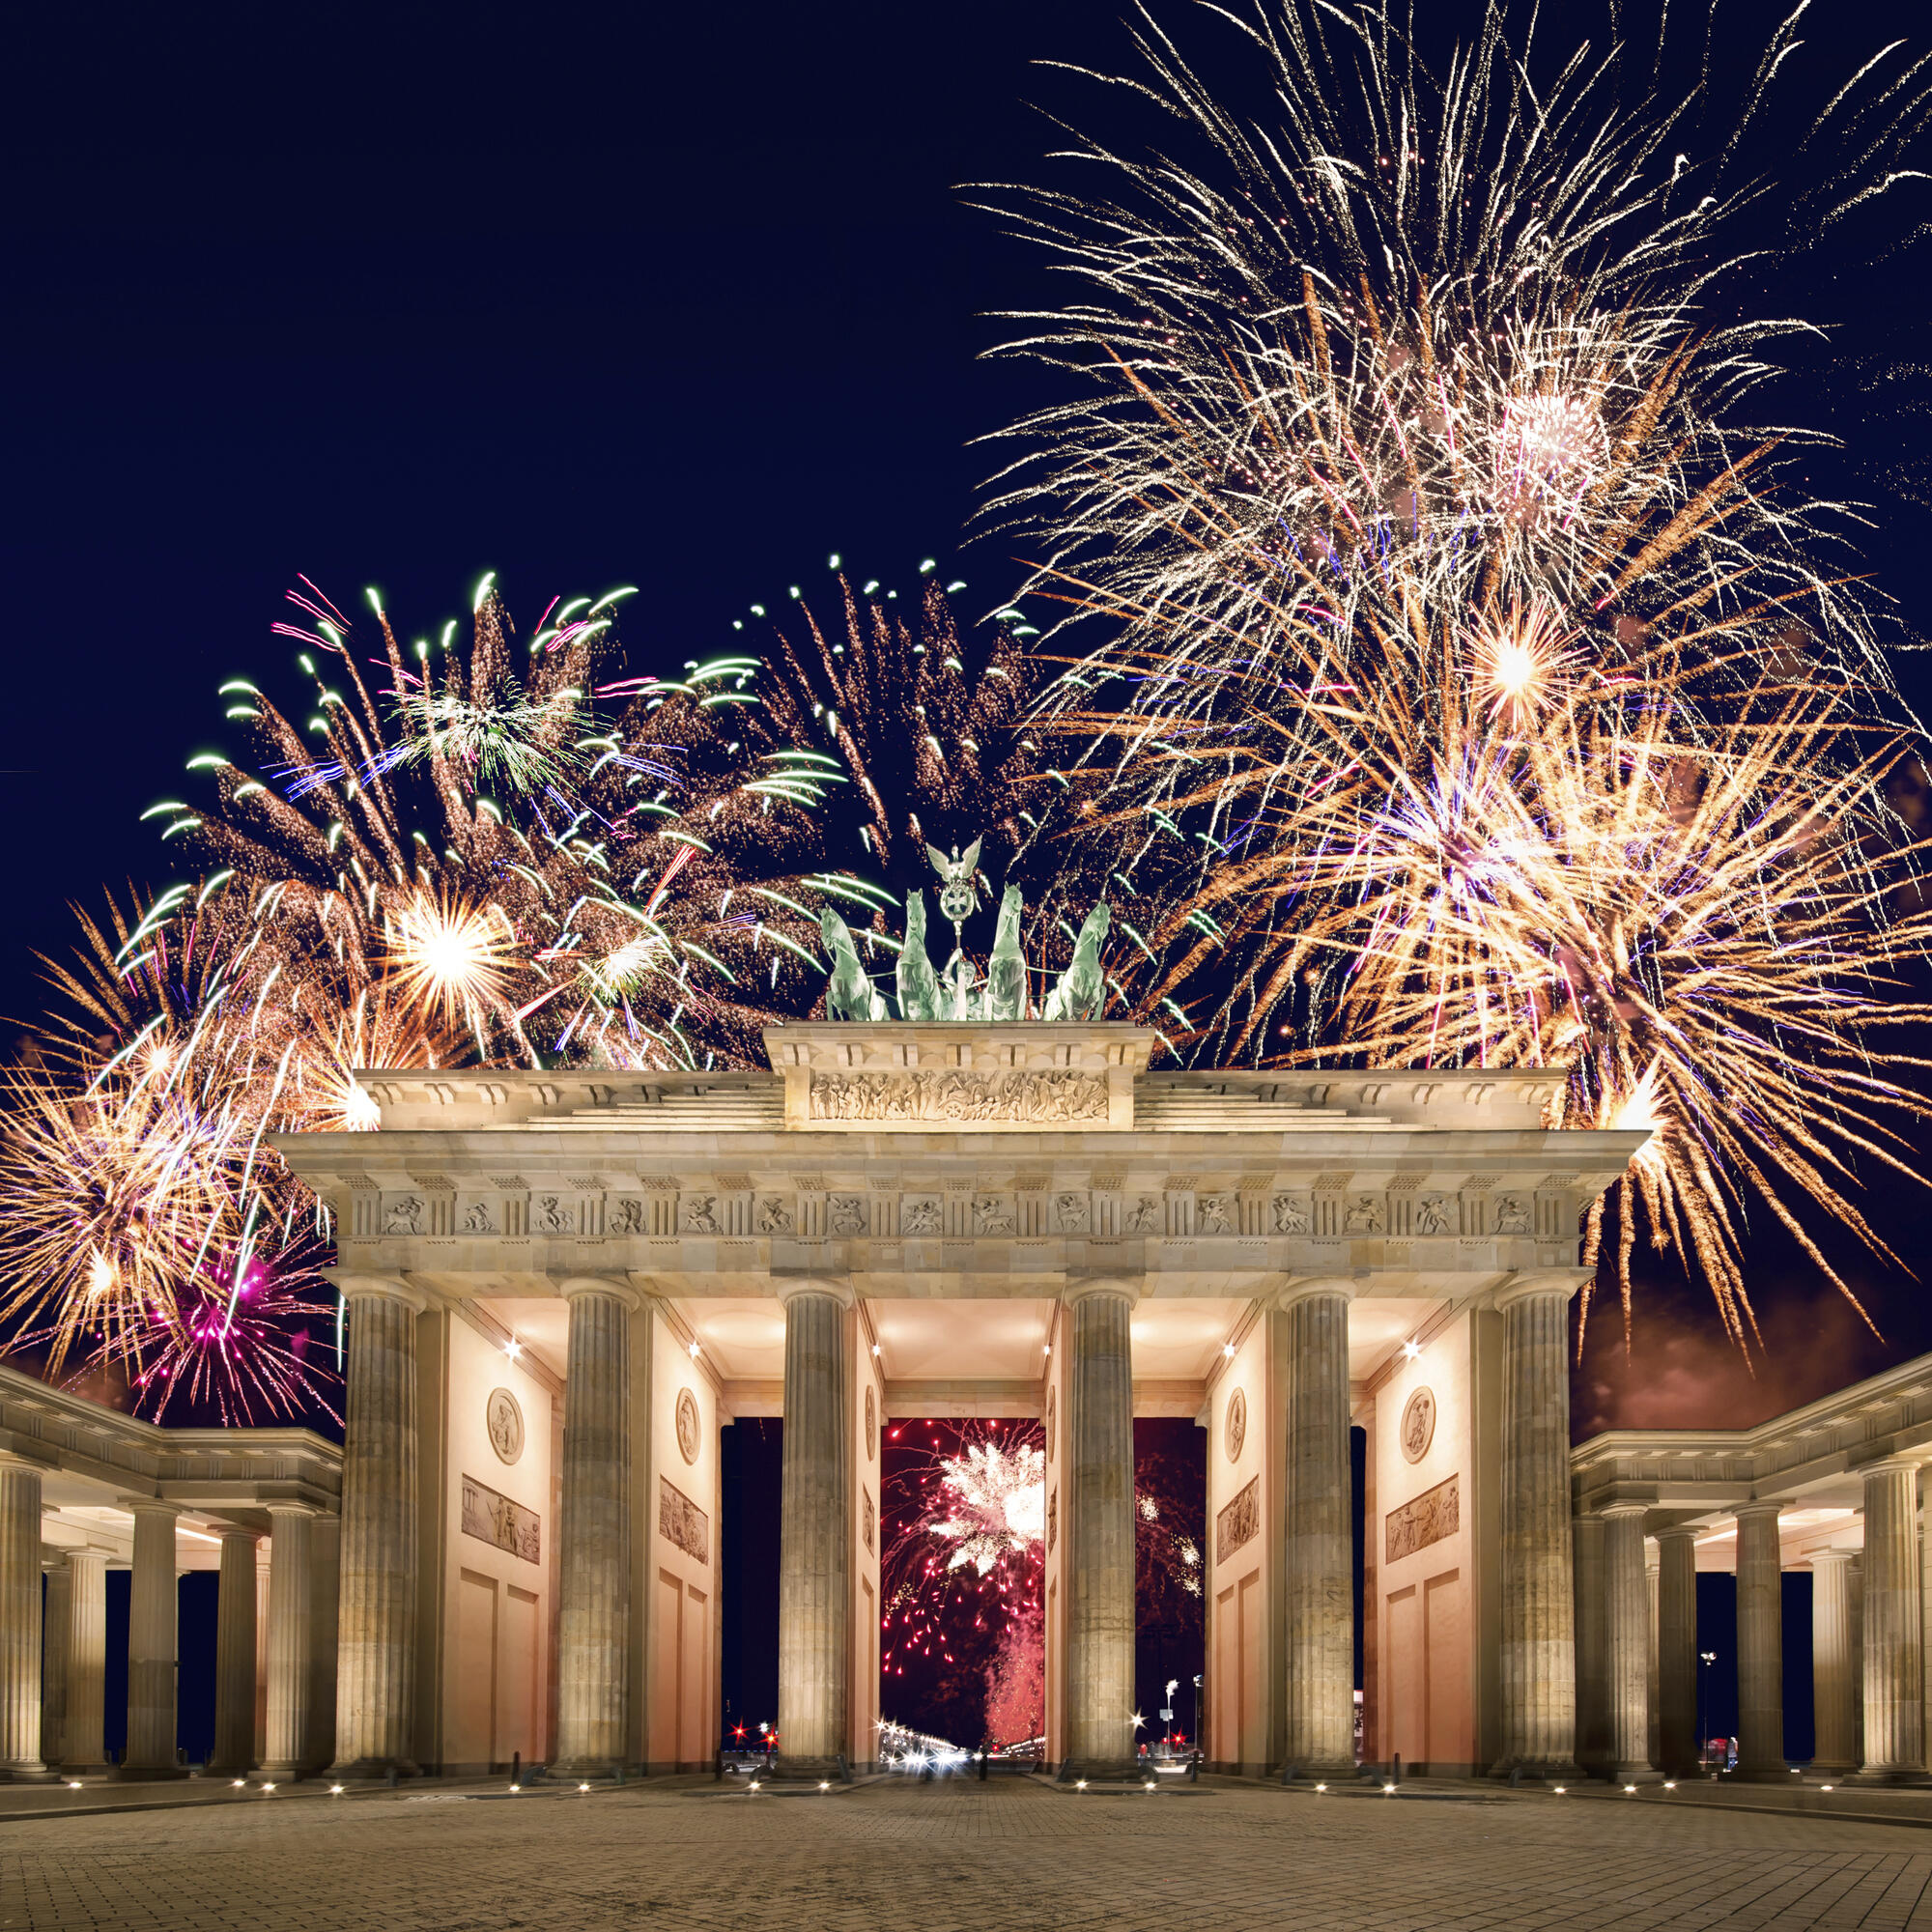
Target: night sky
[{"x": 680, "y": 298}]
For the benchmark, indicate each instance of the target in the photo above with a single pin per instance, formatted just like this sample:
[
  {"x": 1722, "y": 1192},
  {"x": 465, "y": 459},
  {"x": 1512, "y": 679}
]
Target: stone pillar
[
  {"x": 81, "y": 1747},
  {"x": 1677, "y": 1742},
  {"x": 1627, "y": 1602},
  {"x": 289, "y": 1752},
  {"x": 594, "y": 1537},
  {"x": 1832, "y": 1690},
  {"x": 153, "y": 1610},
  {"x": 1539, "y": 1632},
  {"x": 1592, "y": 1662},
  {"x": 1319, "y": 1740},
  {"x": 1099, "y": 1432},
  {"x": 375, "y": 1696},
  {"x": 1654, "y": 1750},
  {"x": 55, "y": 1638},
  {"x": 1895, "y": 1748},
  {"x": 1760, "y": 1644},
  {"x": 815, "y": 1530},
  {"x": 234, "y": 1654},
  {"x": 1855, "y": 1580},
  {"x": 20, "y": 1620},
  {"x": 324, "y": 1602}
]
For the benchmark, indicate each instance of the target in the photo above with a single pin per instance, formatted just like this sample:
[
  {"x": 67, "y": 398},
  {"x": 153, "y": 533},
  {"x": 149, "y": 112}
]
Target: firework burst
[{"x": 1478, "y": 691}]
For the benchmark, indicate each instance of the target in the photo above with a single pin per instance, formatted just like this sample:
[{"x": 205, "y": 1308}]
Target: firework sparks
[{"x": 1481, "y": 695}]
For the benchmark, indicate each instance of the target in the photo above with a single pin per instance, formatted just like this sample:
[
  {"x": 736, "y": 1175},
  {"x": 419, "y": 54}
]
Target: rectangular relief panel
[{"x": 1425, "y": 1518}]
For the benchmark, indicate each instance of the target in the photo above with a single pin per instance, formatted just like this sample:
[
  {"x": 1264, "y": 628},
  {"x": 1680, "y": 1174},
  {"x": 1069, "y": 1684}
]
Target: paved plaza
[{"x": 958, "y": 1855}]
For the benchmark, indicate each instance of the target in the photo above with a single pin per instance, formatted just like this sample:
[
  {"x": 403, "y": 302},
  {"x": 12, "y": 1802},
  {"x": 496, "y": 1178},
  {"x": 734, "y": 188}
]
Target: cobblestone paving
[{"x": 951, "y": 1855}]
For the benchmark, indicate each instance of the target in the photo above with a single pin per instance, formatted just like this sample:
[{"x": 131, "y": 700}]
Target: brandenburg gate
[{"x": 561, "y": 1285}]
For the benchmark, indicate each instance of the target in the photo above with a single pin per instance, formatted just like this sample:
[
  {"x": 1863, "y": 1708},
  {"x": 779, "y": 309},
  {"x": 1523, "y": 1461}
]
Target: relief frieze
[
  {"x": 1239, "y": 1521},
  {"x": 1425, "y": 1518},
  {"x": 1024, "y": 1095}
]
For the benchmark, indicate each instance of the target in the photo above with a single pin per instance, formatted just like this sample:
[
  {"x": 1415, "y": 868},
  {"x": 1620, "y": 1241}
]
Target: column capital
[
  {"x": 1563, "y": 1283},
  {"x": 1677, "y": 1532},
  {"x": 571, "y": 1285},
  {"x": 380, "y": 1288},
  {"x": 1759, "y": 1506},
  {"x": 52, "y": 1557},
  {"x": 291, "y": 1508},
  {"x": 1891, "y": 1465},
  {"x": 1302, "y": 1287},
  {"x": 153, "y": 1505},
  {"x": 1623, "y": 1512},
  {"x": 1830, "y": 1558},
  {"x": 232, "y": 1532},
  {"x": 1127, "y": 1290},
  {"x": 788, "y": 1286}
]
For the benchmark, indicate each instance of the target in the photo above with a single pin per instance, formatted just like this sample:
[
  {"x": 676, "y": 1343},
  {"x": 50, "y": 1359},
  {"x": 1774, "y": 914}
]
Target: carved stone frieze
[{"x": 1024, "y": 1095}]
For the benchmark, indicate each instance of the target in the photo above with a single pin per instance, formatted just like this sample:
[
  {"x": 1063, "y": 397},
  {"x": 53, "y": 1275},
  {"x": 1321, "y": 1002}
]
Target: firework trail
[{"x": 1481, "y": 685}]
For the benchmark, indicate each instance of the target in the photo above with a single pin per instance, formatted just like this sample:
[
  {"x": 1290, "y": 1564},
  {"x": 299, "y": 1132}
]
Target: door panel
[
  {"x": 471, "y": 1724},
  {"x": 1408, "y": 1716},
  {"x": 517, "y": 1677}
]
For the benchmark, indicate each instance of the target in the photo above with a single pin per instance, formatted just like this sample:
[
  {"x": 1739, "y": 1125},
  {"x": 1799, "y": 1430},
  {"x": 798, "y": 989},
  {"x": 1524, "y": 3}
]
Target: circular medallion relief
[
  {"x": 1049, "y": 1422},
  {"x": 505, "y": 1421},
  {"x": 689, "y": 1431},
  {"x": 1235, "y": 1430},
  {"x": 872, "y": 1423},
  {"x": 1418, "y": 1425}
]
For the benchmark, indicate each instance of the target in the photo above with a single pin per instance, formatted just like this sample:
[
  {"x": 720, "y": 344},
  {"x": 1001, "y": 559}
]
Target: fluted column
[
  {"x": 1320, "y": 1739},
  {"x": 1895, "y": 1748},
  {"x": 1627, "y": 1600},
  {"x": 1760, "y": 1643},
  {"x": 54, "y": 1640},
  {"x": 235, "y": 1654},
  {"x": 20, "y": 1620},
  {"x": 815, "y": 1530},
  {"x": 1832, "y": 1690},
  {"x": 1592, "y": 1644},
  {"x": 81, "y": 1745},
  {"x": 594, "y": 1540},
  {"x": 1538, "y": 1638},
  {"x": 1855, "y": 1593},
  {"x": 1100, "y": 1436},
  {"x": 152, "y": 1612},
  {"x": 1677, "y": 1742},
  {"x": 375, "y": 1691},
  {"x": 1654, "y": 1747},
  {"x": 289, "y": 1752},
  {"x": 324, "y": 1599}
]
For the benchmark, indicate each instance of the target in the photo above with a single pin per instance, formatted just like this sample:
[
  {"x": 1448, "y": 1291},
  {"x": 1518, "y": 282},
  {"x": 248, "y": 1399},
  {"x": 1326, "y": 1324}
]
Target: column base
[
  {"x": 28, "y": 1773},
  {"x": 1761, "y": 1774},
  {"x": 816, "y": 1769},
  {"x": 1306, "y": 1774},
  {"x": 375, "y": 1767},
  {"x": 1893, "y": 1775},
  {"x": 288, "y": 1773},
  {"x": 1538, "y": 1770},
  {"x": 591, "y": 1767},
  {"x": 100, "y": 1770},
  {"x": 149, "y": 1773},
  {"x": 1633, "y": 1773}
]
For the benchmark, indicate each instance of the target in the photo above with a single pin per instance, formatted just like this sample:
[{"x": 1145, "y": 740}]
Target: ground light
[
  {"x": 240, "y": 1782},
  {"x": 1631, "y": 1788},
  {"x": 1561, "y": 1789},
  {"x": 335, "y": 1791},
  {"x": 584, "y": 1787},
  {"x": 1322, "y": 1787}
]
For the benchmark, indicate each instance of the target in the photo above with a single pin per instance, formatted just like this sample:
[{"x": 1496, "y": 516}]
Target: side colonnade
[{"x": 1835, "y": 1490}]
